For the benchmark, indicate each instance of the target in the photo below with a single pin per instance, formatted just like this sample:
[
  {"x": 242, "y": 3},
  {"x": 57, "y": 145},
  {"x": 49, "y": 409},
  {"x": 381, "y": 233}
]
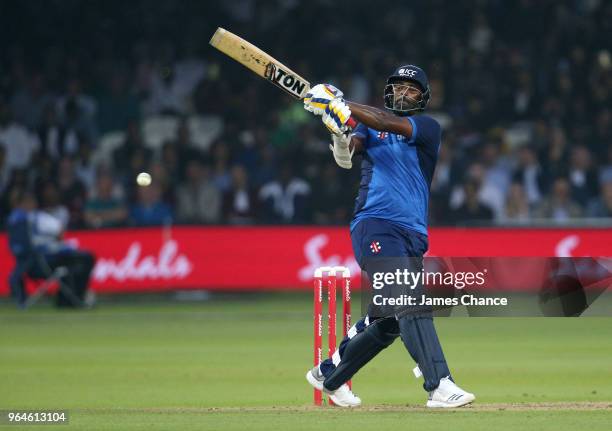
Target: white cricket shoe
[
  {"x": 342, "y": 397},
  {"x": 449, "y": 395}
]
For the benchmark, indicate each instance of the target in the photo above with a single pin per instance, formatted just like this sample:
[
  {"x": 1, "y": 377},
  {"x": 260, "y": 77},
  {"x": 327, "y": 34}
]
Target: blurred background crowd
[{"x": 92, "y": 93}]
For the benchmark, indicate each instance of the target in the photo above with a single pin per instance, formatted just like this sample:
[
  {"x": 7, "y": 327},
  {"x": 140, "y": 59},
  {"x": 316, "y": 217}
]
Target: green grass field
[{"x": 240, "y": 364}]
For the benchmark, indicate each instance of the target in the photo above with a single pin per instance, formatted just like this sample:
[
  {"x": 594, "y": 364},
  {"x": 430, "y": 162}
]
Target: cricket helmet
[{"x": 412, "y": 74}]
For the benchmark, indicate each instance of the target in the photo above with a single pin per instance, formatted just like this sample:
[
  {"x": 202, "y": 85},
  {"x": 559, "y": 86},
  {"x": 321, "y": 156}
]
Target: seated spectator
[
  {"x": 239, "y": 202},
  {"x": 84, "y": 168},
  {"x": 285, "y": 200},
  {"x": 198, "y": 200},
  {"x": 139, "y": 162},
  {"x": 35, "y": 239},
  {"x": 602, "y": 205},
  {"x": 170, "y": 160},
  {"x": 331, "y": 205},
  {"x": 220, "y": 154},
  {"x": 559, "y": 206},
  {"x": 472, "y": 209},
  {"x": 76, "y": 128},
  {"x": 516, "y": 208},
  {"x": 51, "y": 134},
  {"x": 185, "y": 148},
  {"x": 529, "y": 174},
  {"x": 150, "y": 210},
  {"x": 104, "y": 208},
  {"x": 72, "y": 191},
  {"x": 50, "y": 202},
  {"x": 554, "y": 159},
  {"x": 165, "y": 181},
  {"x": 582, "y": 176},
  {"x": 605, "y": 172},
  {"x": 123, "y": 155}
]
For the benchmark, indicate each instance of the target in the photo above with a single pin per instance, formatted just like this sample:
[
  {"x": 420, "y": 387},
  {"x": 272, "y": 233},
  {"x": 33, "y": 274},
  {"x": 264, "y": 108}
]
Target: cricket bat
[{"x": 263, "y": 65}]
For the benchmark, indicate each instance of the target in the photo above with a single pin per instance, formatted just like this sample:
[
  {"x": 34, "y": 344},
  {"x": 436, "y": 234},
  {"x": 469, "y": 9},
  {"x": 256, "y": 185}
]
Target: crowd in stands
[{"x": 523, "y": 90}]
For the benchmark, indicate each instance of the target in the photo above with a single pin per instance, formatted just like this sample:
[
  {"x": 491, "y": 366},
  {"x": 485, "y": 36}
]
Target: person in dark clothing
[
  {"x": 472, "y": 209},
  {"x": 35, "y": 242}
]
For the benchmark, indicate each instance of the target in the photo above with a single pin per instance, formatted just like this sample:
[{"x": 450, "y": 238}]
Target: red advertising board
[{"x": 237, "y": 258}]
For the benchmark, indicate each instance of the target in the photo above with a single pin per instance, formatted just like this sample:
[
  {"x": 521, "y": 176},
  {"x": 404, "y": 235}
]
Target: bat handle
[{"x": 352, "y": 123}]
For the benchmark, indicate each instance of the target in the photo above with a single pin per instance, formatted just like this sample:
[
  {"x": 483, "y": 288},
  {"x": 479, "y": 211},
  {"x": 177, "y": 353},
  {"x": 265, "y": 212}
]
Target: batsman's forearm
[
  {"x": 368, "y": 115},
  {"x": 378, "y": 119}
]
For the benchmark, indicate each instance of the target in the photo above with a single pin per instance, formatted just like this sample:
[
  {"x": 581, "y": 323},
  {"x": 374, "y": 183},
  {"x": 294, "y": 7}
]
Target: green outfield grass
[{"x": 240, "y": 364}]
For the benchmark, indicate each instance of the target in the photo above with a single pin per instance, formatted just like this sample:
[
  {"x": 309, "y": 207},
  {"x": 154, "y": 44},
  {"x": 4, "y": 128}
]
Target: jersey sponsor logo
[
  {"x": 375, "y": 247},
  {"x": 382, "y": 135},
  {"x": 283, "y": 79},
  {"x": 408, "y": 72}
]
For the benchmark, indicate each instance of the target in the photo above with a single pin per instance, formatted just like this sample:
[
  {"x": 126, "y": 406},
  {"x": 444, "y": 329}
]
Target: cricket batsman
[{"x": 400, "y": 149}]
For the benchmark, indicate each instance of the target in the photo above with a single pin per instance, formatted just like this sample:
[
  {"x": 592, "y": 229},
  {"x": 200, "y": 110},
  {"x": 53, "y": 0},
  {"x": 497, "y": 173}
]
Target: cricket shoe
[
  {"x": 449, "y": 395},
  {"x": 342, "y": 397}
]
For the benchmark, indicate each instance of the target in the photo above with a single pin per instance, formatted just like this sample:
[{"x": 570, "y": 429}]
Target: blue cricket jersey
[{"x": 396, "y": 174}]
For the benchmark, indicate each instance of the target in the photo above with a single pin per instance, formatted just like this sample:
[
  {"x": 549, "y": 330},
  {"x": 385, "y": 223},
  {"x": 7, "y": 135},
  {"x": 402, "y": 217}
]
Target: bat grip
[{"x": 352, "y": 123}]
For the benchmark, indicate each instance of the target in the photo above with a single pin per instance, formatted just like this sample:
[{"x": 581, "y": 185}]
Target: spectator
[
  {"x": 29, "y": 102},
  {"x": 51, "y": 134},
  {"x": 150, "y": 210},
  {"x": 555, "y": 157},
  {"x": 72, "y": 191},
  {"x": 165, "y": 181},
  {"x": 582, "y": 175},
  {"x": 285, "y": 200},
  {"x": 171, "y": 161},
  {"x": 19, "y": 144},
  {"x": 221, "y": 172},
  {"x": 51, "y": 204},
  {"x": 605, "y": 173},
  {"x": 239, "y": 202},
  {"x": 559, "y": 206},
  {"x": 472, "y": 209},
  {"x": 331, "y": 207},
  {"x": 78, "y": 110},
  {"x": 133, "y": 147},
  {"x": 186, "y": 149},
  {"x": 198, "y": 200},
  {"x": 105, "y": 208},
  {"x": 84, "y": 168},
  {"x": 602, "y": 206},
  {"x": 516, "y": 209},
  {"x": 35, "y": 239},
  {"x": 529, "y": 175},
  {"x": 496, "y": 176}
]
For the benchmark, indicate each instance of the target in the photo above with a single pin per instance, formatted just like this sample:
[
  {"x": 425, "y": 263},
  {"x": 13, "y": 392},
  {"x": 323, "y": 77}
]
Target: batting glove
[
  {"x": 341, "y": 150},
  {"x": 336, "y": 116},
  {"x": 319, "y": 96}
]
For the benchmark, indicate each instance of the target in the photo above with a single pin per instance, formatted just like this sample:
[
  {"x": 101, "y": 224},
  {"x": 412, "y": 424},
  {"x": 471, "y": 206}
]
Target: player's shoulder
[{"x": 425, "y": 121}]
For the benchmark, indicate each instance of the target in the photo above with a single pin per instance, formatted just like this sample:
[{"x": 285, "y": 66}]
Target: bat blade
[{"x": 260, "y": 63}]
